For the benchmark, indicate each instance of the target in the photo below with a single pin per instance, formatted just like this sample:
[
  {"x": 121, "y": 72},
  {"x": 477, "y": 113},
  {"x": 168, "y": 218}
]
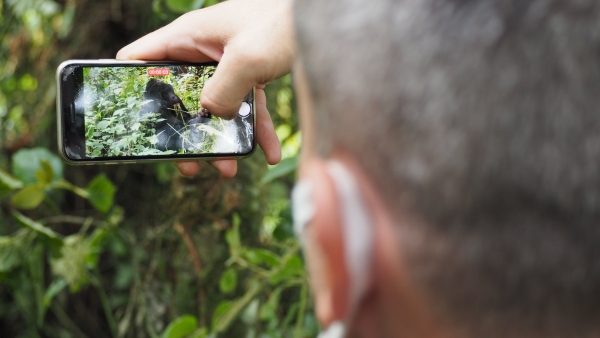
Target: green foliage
[
  {"x": 74, "y": 264},
  {"x": 228, "y": 281},
  {"x": 268, "y": 275},
  {"x": 30, "y": 197},
  {"x": 101, "y": 193},
  {"x": 113, "y": 124},
  {"x": 285, "y": 167},
  {"x": 73, "y": 258},
  {"x": 8, "y": 182},
  {"x": 26, "y": 163},
  {"x": 184, "y": 326},
  {"x": 183, "y": 6}
]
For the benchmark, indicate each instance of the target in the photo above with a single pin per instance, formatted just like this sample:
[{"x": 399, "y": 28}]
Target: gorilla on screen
[{"x": 175, "y": 117}]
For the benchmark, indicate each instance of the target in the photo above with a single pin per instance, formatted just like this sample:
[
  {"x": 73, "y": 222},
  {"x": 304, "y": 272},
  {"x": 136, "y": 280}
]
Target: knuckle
[{"x": 215, "y": 103}]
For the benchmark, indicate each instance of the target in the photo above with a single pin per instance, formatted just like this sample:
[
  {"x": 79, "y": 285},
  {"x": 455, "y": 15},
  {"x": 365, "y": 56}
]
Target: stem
[
  {"x": 195, "y": 255},
  {"x": 62, "y": 184},
  {"x": 301, "y": 310},
  {"x": 86, "y": 225},
  {"x": 70, "y": 219},
  {"x": 64, "y": 319},
  {"x": 105, "y": 304}
]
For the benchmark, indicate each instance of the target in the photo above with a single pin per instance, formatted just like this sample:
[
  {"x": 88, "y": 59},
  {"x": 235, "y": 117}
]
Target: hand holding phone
[
  {"x": 113, "y": 111},
  {"x": 253, "y": 42}
]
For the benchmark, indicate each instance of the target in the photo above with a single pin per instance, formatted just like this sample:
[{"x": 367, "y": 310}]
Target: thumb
[{"x": 234, "y": 78}]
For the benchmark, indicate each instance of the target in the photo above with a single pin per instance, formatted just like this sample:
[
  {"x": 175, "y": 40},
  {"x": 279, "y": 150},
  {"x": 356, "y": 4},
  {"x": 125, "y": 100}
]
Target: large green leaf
[
  {"x": 35, "y": 226},
  {"x": 26, "y": 162},
  {"x": 283, "y": 168},
  {"x": 30, "y": 197},
  {"x": 262, "y": 256},
  {"x": 181, "y": 327},
  {"x": 8, "y": 182},
  {"x": 102, "y": 193}
]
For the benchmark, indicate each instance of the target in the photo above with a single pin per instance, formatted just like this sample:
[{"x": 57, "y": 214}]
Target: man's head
[{"x": 473, "y": 129}]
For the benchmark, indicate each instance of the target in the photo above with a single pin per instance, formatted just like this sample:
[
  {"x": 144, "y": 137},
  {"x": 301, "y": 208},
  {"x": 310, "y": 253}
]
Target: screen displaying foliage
[{"x": 141, "y": 110}]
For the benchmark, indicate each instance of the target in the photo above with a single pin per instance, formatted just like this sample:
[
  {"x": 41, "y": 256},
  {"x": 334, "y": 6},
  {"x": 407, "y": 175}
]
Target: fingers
[
  {"x": 227, "y": 168},
  {"x": 265, "y": 131},
  {"x": 188, "y": 168},
  {"x": 193, "y": 37}
]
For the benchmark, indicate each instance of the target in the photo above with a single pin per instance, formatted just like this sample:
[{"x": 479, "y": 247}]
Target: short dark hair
[{"x": 482, "y": 117}]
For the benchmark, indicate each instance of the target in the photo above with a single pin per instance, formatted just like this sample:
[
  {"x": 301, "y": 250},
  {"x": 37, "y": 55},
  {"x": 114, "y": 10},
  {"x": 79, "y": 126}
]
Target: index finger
[{"x": 193, "y": 37}]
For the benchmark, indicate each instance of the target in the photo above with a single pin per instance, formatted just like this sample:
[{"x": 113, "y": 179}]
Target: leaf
[
  {"x": 103, "y": 124},
  {"x": 102, "y": 193},
  {"x": 10, "y": 253},
  {"x": 292, "y": 267},
  {"x": 283, "y": 168},
  {"x": 269, "y": 310},
  {"x": 45, "y": 174},
  {"x": 30, "y": 197},
  {"x": 220, "y": 310},
  {"x": 228, "y": 281},
  {"x": 152, "y": 139},
  {"x": 223, "y": 321},
  {"x": 55, "y": 287},
  {"x": 200, "y": 333},
  {"x": 35, "y": 226},
  {"x": 115, "y": 216},
  {"x": 262, "y": 256},
  {"x": 119, "y": 111},
  {"x": 181, "y": 327},
  {"x": 26, "y": 162},
  {"x": 183, "y": 6},
  {"x": 90, "y": 133},
  {"x": 8, "y": 182},
  {"x": 96, "y": 242}
]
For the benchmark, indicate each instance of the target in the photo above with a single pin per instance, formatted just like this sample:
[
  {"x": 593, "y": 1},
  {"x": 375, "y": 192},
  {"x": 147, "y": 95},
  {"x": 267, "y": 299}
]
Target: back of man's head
[{"x": 482, "y": 117}]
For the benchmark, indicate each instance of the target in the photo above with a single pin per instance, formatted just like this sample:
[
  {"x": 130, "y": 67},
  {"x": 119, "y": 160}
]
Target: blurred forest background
[{"x": 134, "y": 250}]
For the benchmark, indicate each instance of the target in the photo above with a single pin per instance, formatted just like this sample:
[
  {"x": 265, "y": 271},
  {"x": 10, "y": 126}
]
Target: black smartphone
[{"x": 113, "y": 111}]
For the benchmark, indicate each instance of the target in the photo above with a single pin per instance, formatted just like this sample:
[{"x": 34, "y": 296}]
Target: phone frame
[{"x": 132, "y": 159}]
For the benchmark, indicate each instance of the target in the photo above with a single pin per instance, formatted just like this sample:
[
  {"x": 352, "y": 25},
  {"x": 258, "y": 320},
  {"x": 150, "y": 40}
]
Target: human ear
[{"x": 324, "y": 245}]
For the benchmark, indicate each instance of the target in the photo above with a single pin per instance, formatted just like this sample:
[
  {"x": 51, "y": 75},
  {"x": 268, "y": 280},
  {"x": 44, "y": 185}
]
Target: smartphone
[{"x": 113, "y": 111}]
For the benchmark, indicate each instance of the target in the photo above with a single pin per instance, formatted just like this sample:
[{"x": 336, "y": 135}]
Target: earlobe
[{"x": 325, "y": 251}]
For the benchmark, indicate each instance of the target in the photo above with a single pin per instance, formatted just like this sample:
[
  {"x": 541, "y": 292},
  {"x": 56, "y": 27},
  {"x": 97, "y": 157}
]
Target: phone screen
[{"x": 150, "y": 111}]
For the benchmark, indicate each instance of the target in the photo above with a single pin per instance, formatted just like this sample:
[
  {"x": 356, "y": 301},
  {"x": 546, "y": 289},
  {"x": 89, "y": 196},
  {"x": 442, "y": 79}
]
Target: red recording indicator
[{"x": 158, "y": 71}]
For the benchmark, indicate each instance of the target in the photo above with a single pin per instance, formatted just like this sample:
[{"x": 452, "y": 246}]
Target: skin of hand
[{"x": 253, "y": 42}]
